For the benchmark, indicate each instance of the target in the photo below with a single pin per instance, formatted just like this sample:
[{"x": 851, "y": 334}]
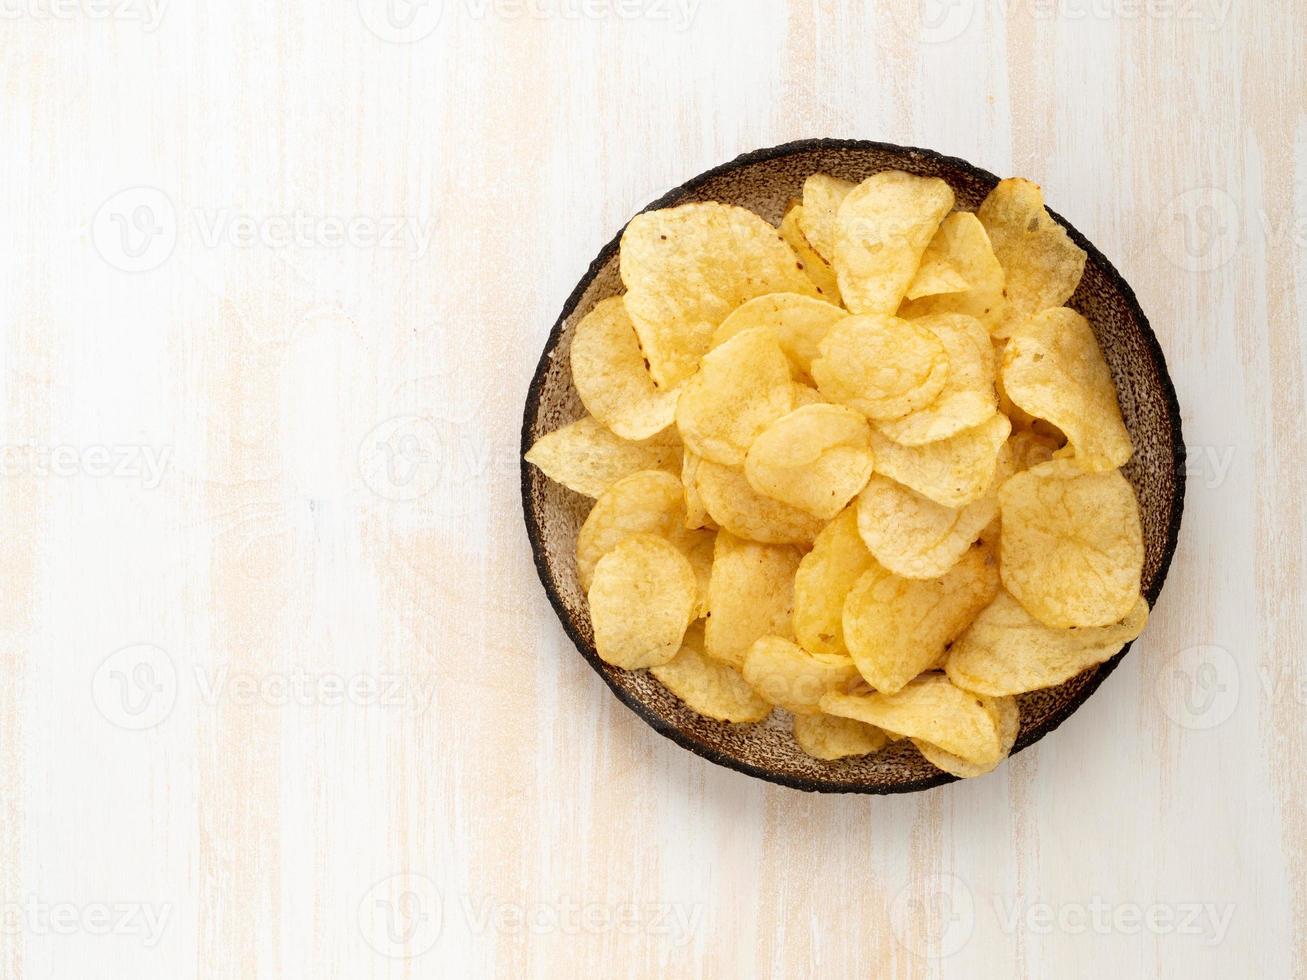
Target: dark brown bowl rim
[{"x": 705, "y": 750}]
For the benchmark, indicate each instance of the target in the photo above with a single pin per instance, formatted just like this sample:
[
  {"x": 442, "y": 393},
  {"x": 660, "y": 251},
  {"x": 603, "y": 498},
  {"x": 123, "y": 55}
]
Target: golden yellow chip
[
  {"x": 885, "y": 224},
  {"x": 790, "y": 677},
  {"x": 648, "y": 502},
  {"x": 735, "y": 506},
  {"x": 699, "y": 548},
  {"x": 696, "y": 515},
  {"x": 751, "y": 595},
  {"x": 819, "y": 222},
  {"x": 962, "y": 241},
  {"x": 967, "y": 398},
  {"x": 914, "y": 537},
  {"x": 708, "y": 686},
  {"x": 815, "y": 458},
  {"x": 1009, "y": 725},
  {"x": 686, "y": 268},
  {"x": 882, "y": 366},
  {"x": 954, "y": 471},
  {"x": 938, "y": 273},
  {"x": 799, "y": 323},
  {"x": 932, "y": 709},
  {"x": 827, "y": 737},
  {"x": 803, "y": 395},
  {"x": 825, "y": 576},
  {"x": 610, "y": 376},
  {"x": 897, "y": 627},
  {"x": 1041, "y": 264},
  {"x": 741, "y": 388},
  {"x": 641, "y": 601},
  {"x": 1054, "y": 370},
  {"x": 815, "y": 267},
  {"x": 1072, "y": 547},
  {"x": 1008, "y": 651},
  {"x": 586, "y": 457},
  {"x": 1029, "y": 449}
]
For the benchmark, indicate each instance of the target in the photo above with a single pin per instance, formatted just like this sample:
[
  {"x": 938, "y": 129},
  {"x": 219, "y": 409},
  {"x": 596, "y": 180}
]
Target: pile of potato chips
[{"x": 863, "y": 469}]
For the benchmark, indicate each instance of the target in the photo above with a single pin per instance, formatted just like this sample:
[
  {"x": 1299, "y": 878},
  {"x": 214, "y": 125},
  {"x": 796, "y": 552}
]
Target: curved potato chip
[
  {"x": 588, "y": 458},
  {"x": 696, "y": 515},
  {"x": 610, "y": 376},
  {"x": 882, "y": 366},
  {"x": 1041, "y": 265},
  {"x": 897, "y": 627},
  {"x": 641, "y": 601},
  {"x": 799, "y": 324},
  {"x": 954, "y": 471},
  {"x": 1008, "y": 651},
  {"x": 803, "y": 395},
  {"x": 741, "y": 388},
  {"x": 751, "y": 595},
  {"x": 709, "y": 687},
  {"x": 827, "y": 737},
  {"x": 932, "y": 709},
  {"x": 937, "y": 273},
  {"x": 699, "y": 550},
  {"x": 648, "y": 502},
  {"x": 815, "y": 458},
  {"x": 967, "y": 397},
  {"x": 790, "y": 677},
  {"x": 962, "y": 241},
  {"x": 686, "y": 268},
  {"x": 1029, "y": 449},
  {"x": 822, "y": 197},
  {"x": 1009, "y": 725},
  {"x": 815, "y": 267},
  {"x": 1071, "y": 547},
  {"x": 738, "y": 508},
  {"x": 1054, "y": 370},
  {"x": 826, "y": 575},
  {"x": 914, "y": 537},
  {"x": 885, "y": 224}
]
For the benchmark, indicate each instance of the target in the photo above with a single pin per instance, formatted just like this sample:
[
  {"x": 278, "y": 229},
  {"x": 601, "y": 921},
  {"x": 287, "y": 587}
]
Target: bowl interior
[{"x": 764, "y": 182}]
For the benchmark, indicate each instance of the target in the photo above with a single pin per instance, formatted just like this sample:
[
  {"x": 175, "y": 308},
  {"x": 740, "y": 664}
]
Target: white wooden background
[{"x": 281, "y": 694}]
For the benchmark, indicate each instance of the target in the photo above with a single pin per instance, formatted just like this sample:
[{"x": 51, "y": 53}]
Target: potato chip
[
  {"x": 735, "y": 506},
  {"x": 1072, "y": 547},
  {"x": 885, "y": 224},
  {"x": 803, "y": 395},
  {"x": 819, "y": 222},
  {"x": 751, "y": 595},
  {"x": 1053, "y": 369},
  {"x": 967, "y": 398},
  {"x": 932, "y": 709},
  {"x": 937, "y": 272},
  {"x": 790, "y": 677},
  {"x": 648, "y": 502},
  {"x": 696, "y": 515},
  {"x": 686, "y": 268},
  {"x": 1008, "y": 651},
  {"x": 914, "y": 537},
  {"x": 962, "y": 241},
  {"x": 825, "y": 576},
  {"x": 815, "y": 458},
  {"x": 1041, "y": 264},
  {"x": 799, "y": 323},
  {"x": 586, "y": 457},
  {"x": 741, "y": 388},
  {"x": 699, "y": 549},
  {"x": 641, "y": 601},
  {"x": 815, "y": 267},
  {"x": 709, "y": 687},
  {"x": 1029, "y": 449},
  {"x": 882, "y": 366},
  {"x": 1009, "y": 725},
  {"x": 610, "y": 376},
  {"x": 827, "y": 737},
  {"x": 897, "y": 627},
  {"x": 954, "y": 471}
]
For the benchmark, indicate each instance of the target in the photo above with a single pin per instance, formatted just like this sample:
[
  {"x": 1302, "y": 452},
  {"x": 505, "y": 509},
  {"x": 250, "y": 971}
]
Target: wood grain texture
[{"x": 283, "y": 694}]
